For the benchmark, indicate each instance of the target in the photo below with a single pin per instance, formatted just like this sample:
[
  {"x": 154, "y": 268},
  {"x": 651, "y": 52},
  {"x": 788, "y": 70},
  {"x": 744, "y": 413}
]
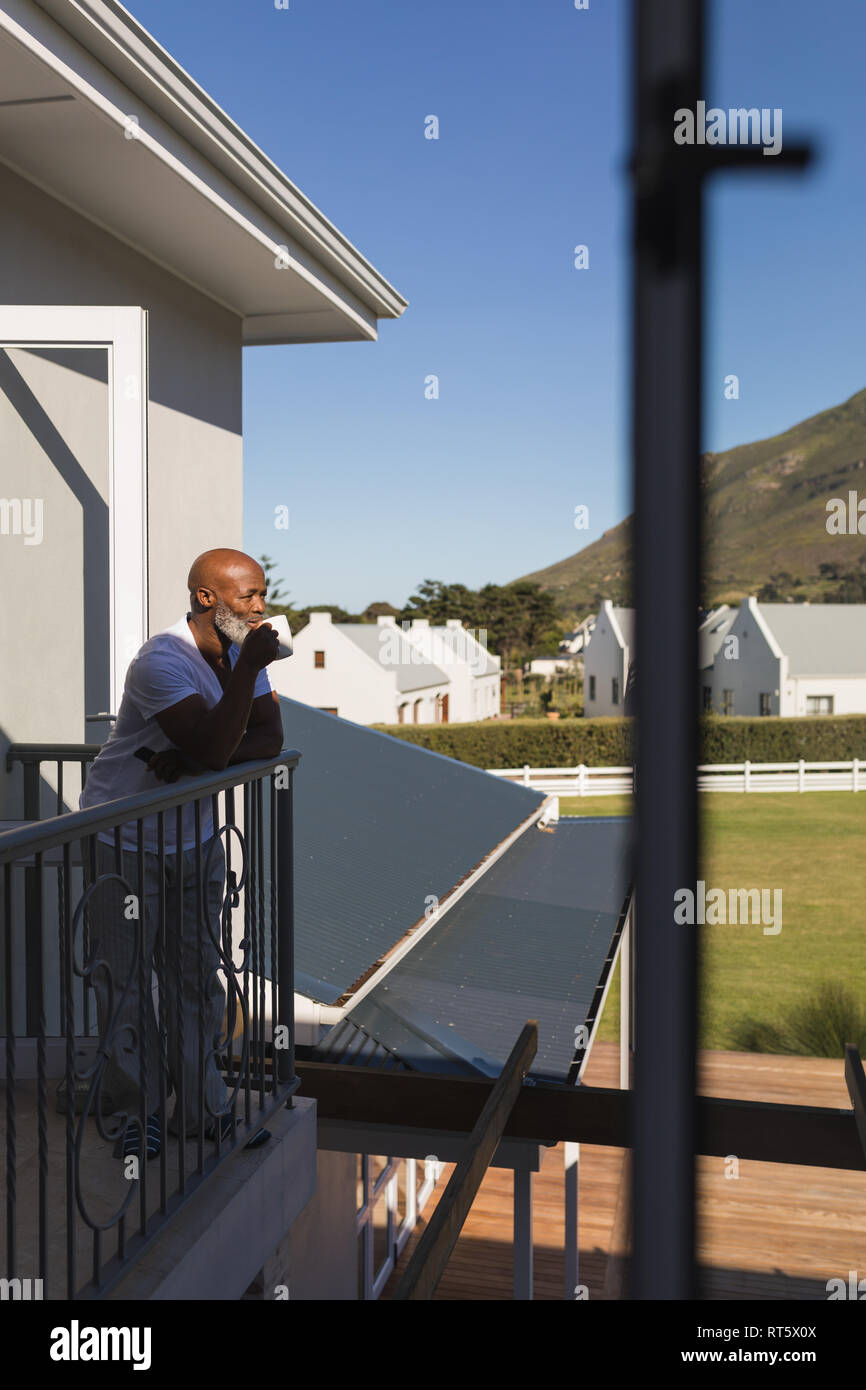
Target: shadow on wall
[
  {"x": 56, "y": 256},
  {"x": 38, "y": 612}
]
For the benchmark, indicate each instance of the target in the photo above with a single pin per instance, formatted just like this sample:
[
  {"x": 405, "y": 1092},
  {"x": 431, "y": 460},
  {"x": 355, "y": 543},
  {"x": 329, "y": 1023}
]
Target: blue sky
[{"x": 477, "y": 231}]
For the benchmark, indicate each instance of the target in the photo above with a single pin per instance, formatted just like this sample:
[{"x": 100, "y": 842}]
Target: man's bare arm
[
  {"x": 211, "y": 736},
  {"x": 264, "y": 735}
]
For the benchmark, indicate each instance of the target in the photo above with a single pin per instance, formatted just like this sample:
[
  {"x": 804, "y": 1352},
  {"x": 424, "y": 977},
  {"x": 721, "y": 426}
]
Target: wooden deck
[{"x": 773, "y": 1232}]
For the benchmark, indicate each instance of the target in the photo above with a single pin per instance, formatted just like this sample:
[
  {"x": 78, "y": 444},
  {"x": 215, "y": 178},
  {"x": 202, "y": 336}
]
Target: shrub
[
  {"x": 516, "y": 742},
  {"x": 819, "y": 1026},
  {"x": 511, "y": 743}
]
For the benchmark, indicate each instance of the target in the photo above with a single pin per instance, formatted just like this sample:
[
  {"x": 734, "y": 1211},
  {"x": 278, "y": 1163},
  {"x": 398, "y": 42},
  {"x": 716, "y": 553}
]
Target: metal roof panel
[
  {"x": 528, "y": 940},
  {"x": 382, "y": 827}
]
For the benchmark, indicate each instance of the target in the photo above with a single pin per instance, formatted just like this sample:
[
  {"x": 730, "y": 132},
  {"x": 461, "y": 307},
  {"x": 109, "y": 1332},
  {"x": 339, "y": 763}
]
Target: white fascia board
[
  {"x": 125, "y": 48},
  {"x": 614, "y": 625},
  {"x": 317, "y": 304},
  {"x": 470, "y": 639},
  {"x": 763, "y": 626}
]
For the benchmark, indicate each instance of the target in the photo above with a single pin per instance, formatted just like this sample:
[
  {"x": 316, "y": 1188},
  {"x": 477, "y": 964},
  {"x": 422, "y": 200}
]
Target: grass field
[{"x": 811, "y": 846}]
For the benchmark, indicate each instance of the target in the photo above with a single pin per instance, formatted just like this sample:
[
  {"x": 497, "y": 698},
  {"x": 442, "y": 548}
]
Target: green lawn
[{"x": 811, "y": 847}]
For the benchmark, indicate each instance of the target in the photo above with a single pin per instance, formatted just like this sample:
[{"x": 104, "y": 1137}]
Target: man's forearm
[
  {"x": 221, "y": 731},
  {"x": 260, "y": 742}
]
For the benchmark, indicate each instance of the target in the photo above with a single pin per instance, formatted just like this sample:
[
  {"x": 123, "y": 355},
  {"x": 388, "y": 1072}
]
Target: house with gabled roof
[
  {"x": 607, "y": 659},
  {"x": 610, "y": 656},
  {"x": 791, "y": 659},
  {"x": 475, "y": 674},
  {"x": 367, "y": 672}
]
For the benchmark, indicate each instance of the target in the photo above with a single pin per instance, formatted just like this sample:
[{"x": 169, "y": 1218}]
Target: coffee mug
[{"x": 280, "y": 623}]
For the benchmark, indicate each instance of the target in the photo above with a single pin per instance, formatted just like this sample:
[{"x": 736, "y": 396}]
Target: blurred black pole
[{"x": 667, "y": 38}]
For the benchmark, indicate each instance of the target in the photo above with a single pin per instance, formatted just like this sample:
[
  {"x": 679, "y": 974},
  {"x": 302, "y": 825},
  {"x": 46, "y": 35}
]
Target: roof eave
[{"x": 106, "y": 30}]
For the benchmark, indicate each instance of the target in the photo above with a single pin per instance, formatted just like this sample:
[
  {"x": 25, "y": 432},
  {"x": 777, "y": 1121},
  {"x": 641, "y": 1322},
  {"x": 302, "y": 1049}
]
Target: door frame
[{"x": 122, "y": 330}]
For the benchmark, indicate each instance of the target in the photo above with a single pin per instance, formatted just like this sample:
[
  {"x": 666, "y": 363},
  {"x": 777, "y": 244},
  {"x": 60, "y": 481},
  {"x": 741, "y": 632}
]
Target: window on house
[
  {"x": 765, "y": 702},
  {"x": 727, "y": 702},
  {"x": 592, "y": 687},
  {"x": 614, "y": 690},
  {"x": 819, "y": 704},
  {"x": 708, "y": 697},
  {"x": 318, "y": 660},
  {"x": 401, "y": 714}
]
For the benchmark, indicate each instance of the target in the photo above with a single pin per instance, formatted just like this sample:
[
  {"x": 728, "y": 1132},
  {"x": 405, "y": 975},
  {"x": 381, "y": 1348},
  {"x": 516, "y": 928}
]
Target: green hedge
[{"x": 607, "y": 742}]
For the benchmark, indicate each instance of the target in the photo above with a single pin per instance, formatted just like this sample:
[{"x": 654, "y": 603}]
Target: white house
[
  {"x": 369, "y": 673},
  {"x": 610, "y": 651},
  {"x": 475, "y": 675},
  {"x": 607, "y": 659},
  {"x": 791, "y": 659},
  {"x": 383, "y": 673}
]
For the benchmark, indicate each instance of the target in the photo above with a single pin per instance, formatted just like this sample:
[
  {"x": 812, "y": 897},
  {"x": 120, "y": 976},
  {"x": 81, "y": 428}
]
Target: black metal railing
[{"x": 148, "y": 886}]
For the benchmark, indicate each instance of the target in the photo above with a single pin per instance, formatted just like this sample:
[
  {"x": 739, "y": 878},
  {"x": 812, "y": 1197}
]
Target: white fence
[{"x": 718, "y": 777}]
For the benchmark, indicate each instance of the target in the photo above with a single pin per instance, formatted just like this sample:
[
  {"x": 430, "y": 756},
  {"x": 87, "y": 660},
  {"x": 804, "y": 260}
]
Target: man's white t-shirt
[{"x": 168, "y": 667}]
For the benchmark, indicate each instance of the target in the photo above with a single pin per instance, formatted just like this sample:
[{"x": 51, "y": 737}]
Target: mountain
[{"x": 764, "y": 517}]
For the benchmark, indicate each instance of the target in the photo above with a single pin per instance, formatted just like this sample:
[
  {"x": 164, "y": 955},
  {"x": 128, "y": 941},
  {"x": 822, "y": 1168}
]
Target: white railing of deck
[{"x": 712, "y": 777}]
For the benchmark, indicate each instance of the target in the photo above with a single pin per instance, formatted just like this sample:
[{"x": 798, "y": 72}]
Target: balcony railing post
[
  {"x": 284, "y": 1057},
  {"x": 72, "y": 953}
]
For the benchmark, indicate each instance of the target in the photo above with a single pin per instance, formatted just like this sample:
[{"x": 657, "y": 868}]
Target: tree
[
  {"x": 518, "y": 618},
  {"x": 379, "y": 610},
  {"x": 852, "y": 588},
  {"x": 276, "y": 599},
  {"x": 438, "y": 602},
  {"x": 299, "y": 617}
]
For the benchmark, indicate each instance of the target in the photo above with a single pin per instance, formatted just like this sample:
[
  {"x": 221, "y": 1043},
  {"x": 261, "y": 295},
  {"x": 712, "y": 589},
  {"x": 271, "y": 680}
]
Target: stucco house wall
[
  {"x": 848, "y": 693},
  {"x": 349, "y": 682},
  {"x": 607, "y": 658},
  {"x": 54, "y": 431}
]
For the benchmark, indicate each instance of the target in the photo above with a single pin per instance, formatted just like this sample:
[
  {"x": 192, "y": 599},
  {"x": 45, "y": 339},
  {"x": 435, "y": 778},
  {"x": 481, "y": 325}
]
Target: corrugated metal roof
[
  {"x": 820, "y": 639},
  {"x": 528, "y": 940},
  {"x": 351, "y": 1045},
  {"x": 381, "y": 827},
  {"x": 388, "y": 647}
]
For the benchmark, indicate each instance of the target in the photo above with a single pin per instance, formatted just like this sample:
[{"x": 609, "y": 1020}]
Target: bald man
[{"x": 198, "y": 696}]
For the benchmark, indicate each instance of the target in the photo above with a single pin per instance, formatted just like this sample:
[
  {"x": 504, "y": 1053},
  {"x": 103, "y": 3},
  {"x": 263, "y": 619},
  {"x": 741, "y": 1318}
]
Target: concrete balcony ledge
[{"x": 216, "y": 1244}]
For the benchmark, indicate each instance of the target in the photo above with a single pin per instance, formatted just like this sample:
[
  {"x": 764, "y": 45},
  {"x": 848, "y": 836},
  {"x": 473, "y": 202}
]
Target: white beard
[{"x": 230, "y": 625}]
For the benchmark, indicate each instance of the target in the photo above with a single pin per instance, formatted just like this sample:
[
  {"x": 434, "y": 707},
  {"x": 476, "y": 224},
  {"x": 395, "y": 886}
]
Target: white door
[{"x": 73, "y": 517}]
